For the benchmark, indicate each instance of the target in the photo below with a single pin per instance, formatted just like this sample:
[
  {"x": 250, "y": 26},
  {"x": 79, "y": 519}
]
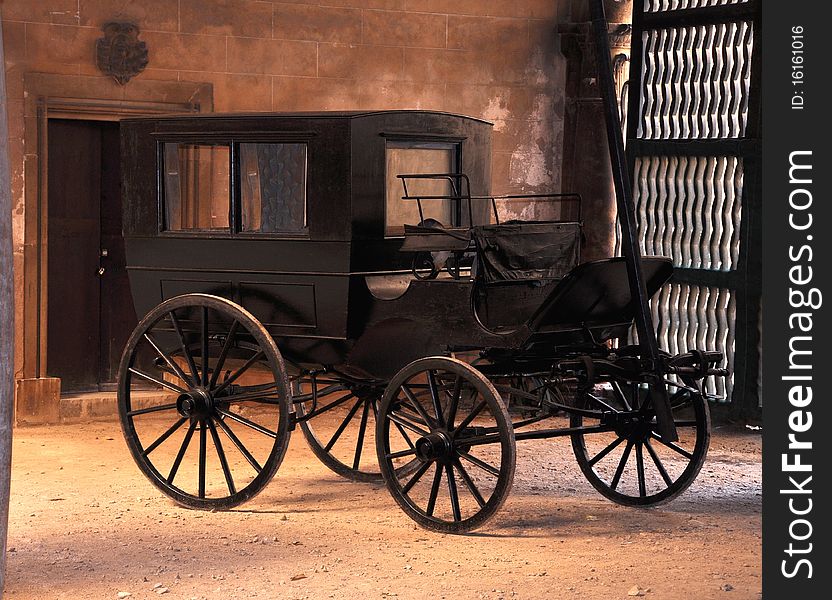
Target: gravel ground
[{"x": 85, "y": 524}]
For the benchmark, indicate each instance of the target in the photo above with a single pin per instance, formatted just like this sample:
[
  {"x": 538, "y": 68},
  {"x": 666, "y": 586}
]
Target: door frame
[{"x": 75, "y": 98}]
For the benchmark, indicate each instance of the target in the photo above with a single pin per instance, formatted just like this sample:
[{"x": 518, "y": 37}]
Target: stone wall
[{"x": 487, "y": 58}]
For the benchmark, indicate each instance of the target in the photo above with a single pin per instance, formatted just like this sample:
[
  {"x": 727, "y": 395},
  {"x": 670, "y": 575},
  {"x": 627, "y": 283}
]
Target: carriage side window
[
  {"x": 196, "y": 187},
  {"x": 273, "y": 187},
  {"x": 410, "y": 156}
]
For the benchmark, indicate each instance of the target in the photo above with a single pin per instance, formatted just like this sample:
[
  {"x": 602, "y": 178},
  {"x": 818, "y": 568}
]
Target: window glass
[
  {"x": 196, "y": 184},
  {"x": 273, "y": 187},
  {"x": 418, "y": 157}
]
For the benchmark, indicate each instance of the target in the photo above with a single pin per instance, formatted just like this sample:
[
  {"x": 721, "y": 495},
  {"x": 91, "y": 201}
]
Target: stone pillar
[
  {"x": 586, "y": 159},
  {"x": 6, "y": 318}
]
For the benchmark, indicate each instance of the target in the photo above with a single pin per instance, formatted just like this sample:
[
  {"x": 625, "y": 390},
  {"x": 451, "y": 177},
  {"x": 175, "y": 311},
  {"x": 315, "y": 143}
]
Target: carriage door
[{"x": 89, "y": 307}]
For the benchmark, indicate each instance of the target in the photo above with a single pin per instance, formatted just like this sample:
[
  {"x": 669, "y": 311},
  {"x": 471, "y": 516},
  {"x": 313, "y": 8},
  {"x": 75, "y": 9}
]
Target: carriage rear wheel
[
  {"x": 204, "y": 401},
  {"x": 632, "y": 465},
  {"x": 343, "y": 435},
  {"x": 448, "y": 416}
]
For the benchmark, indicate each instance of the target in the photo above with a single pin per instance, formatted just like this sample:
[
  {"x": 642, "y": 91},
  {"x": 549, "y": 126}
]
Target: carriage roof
[{"x": 320, "y": 114}]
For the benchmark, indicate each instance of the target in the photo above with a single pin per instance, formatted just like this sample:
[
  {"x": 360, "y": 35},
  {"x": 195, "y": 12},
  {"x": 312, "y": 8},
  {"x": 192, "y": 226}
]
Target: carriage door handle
[{"x": 104, "y": 253}]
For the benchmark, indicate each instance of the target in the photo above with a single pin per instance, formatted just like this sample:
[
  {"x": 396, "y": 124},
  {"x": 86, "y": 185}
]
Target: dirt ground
[{"x": 85, "y": 524}]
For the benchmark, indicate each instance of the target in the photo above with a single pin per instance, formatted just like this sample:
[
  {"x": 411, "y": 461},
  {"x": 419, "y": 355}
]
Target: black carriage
[
  {"x": 349, "y": 273},
  {"x": 289, "y": 273}
]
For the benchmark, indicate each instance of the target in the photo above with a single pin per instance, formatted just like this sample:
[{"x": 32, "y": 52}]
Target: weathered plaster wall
[{"x": 489, "y": 58}]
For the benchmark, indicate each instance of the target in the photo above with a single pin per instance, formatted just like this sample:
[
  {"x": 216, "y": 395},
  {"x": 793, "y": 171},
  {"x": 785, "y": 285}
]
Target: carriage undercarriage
[{"x": 441, "y": 432}]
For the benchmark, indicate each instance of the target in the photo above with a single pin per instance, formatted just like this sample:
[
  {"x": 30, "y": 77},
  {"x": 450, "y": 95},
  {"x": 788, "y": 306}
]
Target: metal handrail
[{"x": 493, "y": 197}]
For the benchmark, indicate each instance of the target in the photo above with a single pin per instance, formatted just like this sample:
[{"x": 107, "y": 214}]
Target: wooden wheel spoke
[
  {"x": 328, "y": 407},
  {"x": 185, "y": 350},
  {"x": 359, "y": 444},
  {"x": 400, "y": 429},
  {"x": 170, "y": 362},
  {"x": 181, "y": 454},
  {"x": 416, "y": 477},
  {"x": 453, "y": 405},
  {"x": 404, "y": 411},
  {"x": 239, "y": 445},
  {"x": 343, "y": 426},
  {"x": 260, "y": 354},
  {"x": 229, "y": 480},
  {"x": 401, "y": 453},
  {"x": 453, "y": 493},
  {"x": 204, "y": 346},
  {"x": 229, "y": 340},
  {"x": 160, "y": 382},
  {"x": 469, "y": 483},
  {"x": 642, "y": 486},
  {"x": 151, "y": 409},
  {"x": 434, "y": 396},
  {"x": 612, "y": 446},
  {"x": 248, "y": 423},
  {"x": 621, "y": 464},
  {"x": 202, "y": 459},
  {"x": 434, "y": 490},
  {"x": 160, "y": 440},
  {"x": 657, "y": 461},
  {"x": 403, "y": 433},
  {"x": 480, "y": 463},
  {"x": 402, "y": 422},
  {"x": 414, "y": 401},
  {"x": 471, "y": 416},
  {"x": 673, "y": 446}
]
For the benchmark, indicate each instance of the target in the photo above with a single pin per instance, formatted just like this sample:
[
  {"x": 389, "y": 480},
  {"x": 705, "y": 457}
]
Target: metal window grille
[{"x": 693, "y": 147}]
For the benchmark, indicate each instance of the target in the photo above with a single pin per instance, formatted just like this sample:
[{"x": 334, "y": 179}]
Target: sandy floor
[{"x": 85, "y": 524}]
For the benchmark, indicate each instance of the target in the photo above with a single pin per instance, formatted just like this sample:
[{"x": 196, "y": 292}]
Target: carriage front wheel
[
  {"x": 628, "y": 461},
  {"x": 204, "y": 401},
  {"x": 448, "y": 416}
]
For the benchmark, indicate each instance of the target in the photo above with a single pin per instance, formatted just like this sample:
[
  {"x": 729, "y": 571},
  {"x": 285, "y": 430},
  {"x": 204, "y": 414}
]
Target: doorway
[{"x": 90, "y": 310}]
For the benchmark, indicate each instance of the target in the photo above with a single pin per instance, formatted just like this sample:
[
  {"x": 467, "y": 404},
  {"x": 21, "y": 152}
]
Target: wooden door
[{"x": 90, "y": 312}]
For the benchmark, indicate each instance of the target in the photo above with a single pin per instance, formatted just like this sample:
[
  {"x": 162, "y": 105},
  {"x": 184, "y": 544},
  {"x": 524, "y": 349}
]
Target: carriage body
[{"x": 327, "y": 277}]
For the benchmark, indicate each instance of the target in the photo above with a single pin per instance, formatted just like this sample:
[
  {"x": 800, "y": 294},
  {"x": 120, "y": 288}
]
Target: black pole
[{"x": 627, "y": 220}]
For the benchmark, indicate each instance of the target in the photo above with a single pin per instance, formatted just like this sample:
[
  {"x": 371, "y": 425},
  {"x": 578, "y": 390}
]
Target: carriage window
[
  {"x": 418, "y": 157},
  {"x": 273, "y": 187},
  {"x": 196, "y": 184}
]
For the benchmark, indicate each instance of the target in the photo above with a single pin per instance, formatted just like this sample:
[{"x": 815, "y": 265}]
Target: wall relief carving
[{"x": 120, "y": 53}]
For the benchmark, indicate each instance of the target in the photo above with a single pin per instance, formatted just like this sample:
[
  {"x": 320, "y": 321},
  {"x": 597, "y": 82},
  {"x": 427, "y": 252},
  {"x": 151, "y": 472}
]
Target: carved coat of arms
[{"x": 120, "y": 54}]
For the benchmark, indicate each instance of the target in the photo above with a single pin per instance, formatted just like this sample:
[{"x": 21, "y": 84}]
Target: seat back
[{"x": 526, "y": 251}]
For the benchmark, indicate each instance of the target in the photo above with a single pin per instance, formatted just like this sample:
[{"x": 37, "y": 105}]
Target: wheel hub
[
  {"x": 195, "y": 403},
  {"x": 634, "y": 429},
  {"x": 433, "y": 446}
]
